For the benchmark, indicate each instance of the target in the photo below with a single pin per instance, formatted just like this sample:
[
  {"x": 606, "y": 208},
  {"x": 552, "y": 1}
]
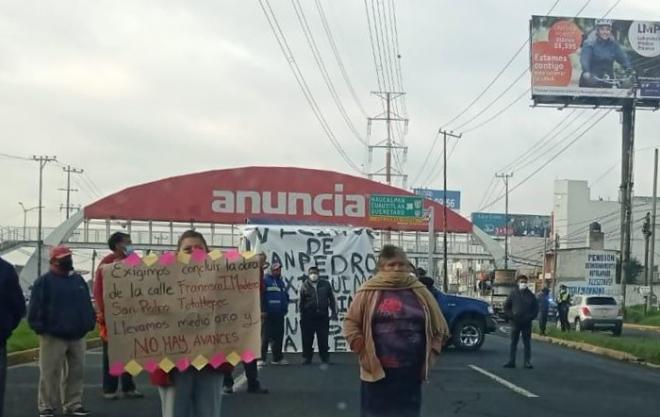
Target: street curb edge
[{"x": 32, "y": 355}]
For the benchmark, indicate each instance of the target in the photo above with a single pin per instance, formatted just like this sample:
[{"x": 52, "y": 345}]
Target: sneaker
[
  {"x": 80, "y": 411},
  {"x": 47, "y": 413},
  {"x": 510, "y": 365},
  {"x": 110, "y": 395},
  {"x": 282, "y": 362},
  {"x": 133, "y": 394},
  {"x": 257, "y": 390},
  {"x": 529, "y": 366},
  {"x": 261, "y": 363},
  {"x": 227, "y": 390}
]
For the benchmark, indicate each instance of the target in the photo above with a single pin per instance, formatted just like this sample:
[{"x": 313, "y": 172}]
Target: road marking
[
  {"x": 511, "y": 386},
  {"x": 242, "y": 379}
]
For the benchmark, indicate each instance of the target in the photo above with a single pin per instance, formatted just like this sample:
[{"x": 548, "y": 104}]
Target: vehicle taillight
[{"x": 586, "y": 311}]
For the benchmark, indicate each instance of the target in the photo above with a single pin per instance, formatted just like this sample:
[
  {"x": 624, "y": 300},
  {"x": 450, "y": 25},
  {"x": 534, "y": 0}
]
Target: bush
[{"x": 24, "y": 338}]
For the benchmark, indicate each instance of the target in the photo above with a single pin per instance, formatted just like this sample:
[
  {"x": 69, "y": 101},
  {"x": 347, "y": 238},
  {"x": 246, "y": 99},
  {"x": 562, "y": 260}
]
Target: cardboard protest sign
[
  {"x": 178, "y": 310},
  {"x": 345, "y": 257}
]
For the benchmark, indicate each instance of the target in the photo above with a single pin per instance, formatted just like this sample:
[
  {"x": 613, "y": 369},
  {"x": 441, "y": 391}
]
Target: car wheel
[
  {"x": 469, "y": 334},
  {"x": 578, "y": 325},
  {"x": 617, "y": 330}
]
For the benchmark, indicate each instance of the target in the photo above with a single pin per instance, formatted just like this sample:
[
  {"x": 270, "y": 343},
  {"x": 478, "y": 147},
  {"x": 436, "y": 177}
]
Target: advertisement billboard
[
  {"x": 588, "y": 60},
  {"x": 453, "y": 197},
  {"x": 494, "y": 224}
]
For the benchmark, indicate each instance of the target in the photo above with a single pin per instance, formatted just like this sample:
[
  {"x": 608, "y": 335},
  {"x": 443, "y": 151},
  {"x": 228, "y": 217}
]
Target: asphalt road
[{"x": 564, "y": 383}]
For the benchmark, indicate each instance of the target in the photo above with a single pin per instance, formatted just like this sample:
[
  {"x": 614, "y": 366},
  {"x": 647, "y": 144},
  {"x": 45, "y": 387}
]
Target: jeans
[
  {"x": 110, "y": 382},
  {"x": 273, "y": 334},
  {"x": 251, "y": 374},
  {"x": 197, "y": 393},
  {"x": 3, "y": 376},
  {"x": 315, "y": 324},
  {"x": 516, "y": 330}
]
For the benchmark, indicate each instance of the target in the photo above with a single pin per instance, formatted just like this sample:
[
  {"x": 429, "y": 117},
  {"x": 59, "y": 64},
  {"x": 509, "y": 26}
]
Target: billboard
[
  {"x": 587, "y": 60},
  {"x": 453, "y": 197},
  {"x": 494, "y": 224}
]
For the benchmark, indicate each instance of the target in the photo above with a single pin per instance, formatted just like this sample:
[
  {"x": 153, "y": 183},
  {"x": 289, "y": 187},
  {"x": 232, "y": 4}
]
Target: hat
[
  {"x": 59, "y": 252},
  {"x": 276, "y": 266}
]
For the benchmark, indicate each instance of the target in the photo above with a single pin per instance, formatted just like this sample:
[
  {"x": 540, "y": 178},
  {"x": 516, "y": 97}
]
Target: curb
[
  {"x": 641, "y": 327},
  {"x": 32, "y": 355},
  {"x": 586, "y": 347}
]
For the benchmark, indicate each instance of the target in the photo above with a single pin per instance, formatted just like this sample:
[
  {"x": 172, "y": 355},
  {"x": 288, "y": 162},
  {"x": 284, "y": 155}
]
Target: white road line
[
  {"x": 512, "y": 387},
  {"x": 242, "y": 380}
]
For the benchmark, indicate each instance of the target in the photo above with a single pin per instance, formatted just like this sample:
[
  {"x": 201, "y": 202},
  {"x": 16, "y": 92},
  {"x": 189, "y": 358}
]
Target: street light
[{"x": 25, "y": 212}]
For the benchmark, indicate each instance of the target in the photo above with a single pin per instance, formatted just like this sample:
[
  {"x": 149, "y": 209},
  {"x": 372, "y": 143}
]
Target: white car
[{"x": 596, "y": 312}]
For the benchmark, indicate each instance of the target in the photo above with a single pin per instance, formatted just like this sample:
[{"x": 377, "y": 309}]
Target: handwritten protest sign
[
  {"x": 345, "y": 257},
  {"x": 181, "y": 310}
]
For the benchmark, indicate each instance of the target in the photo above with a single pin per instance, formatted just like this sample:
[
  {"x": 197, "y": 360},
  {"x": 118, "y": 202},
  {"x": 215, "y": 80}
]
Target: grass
[
  {"x": 635, "y": 314},
  {"x": 643, "y": 348},
  {"x": 24, "y": 338}
]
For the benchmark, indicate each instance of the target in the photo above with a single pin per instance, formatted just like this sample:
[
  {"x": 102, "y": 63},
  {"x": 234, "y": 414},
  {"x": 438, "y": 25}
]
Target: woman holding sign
[{"x": 397, "y": 328}]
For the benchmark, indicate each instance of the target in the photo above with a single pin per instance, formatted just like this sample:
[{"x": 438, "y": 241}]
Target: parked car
[
  {"x": 469, "y": 320},
  {"x": 596, "y": 312}
]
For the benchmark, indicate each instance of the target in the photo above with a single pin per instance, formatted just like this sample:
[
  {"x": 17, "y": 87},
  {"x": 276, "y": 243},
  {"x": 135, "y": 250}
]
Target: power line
[
  {"x": 20, "y": 158},
  {"x": 499, "y": 113},
  {"x": 288, "y": 55},
  {"x": 373, "y": 47},
  {"x": 612, "y": 8}
]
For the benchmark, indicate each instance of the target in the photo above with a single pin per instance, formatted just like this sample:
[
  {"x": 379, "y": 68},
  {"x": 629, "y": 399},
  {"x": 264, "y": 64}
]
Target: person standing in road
[
  {"x": 275, "y": 303},
  {"x": 563, "y": 304},
  {"x": 316, "y": 298},
  {"x": 12, "y": 310},
  {"x": 61, "y": 313},
  {"x": 398, "y": 330},
  {"x": 428, "y": 281},
  {"x": 121, "y": 246},
  {"x": 544, "y": 308},
  {"x": 521, "y": 308}
]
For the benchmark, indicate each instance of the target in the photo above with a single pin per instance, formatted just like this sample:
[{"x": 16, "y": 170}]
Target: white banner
[{"x": 345, "y": 257}]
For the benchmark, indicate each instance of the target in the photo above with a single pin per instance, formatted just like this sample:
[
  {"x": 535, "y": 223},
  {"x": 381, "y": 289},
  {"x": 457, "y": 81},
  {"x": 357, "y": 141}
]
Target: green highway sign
[{"x": 403, "y": 207}]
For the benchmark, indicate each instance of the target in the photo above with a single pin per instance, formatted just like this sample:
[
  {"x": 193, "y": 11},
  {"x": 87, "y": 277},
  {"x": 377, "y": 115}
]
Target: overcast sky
[{"x": 136, "y": 91}]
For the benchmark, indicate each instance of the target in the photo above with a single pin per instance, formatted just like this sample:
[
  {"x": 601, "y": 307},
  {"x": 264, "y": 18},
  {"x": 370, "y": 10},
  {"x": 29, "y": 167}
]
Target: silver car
[{"x": 596, "y": 312}]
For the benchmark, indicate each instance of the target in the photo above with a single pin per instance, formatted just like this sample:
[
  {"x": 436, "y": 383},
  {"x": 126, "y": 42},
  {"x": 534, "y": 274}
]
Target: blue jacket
[
  {"x": 61, "y": 306},
  {"x": 276, "y": 297},
  {"x": 12, "y": 302},
  {"x": 598, "y": 56}
]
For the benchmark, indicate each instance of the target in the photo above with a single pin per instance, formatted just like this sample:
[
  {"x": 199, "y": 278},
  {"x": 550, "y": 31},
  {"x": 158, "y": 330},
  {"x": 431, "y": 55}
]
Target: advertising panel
[
  {"x": 519, "y": 224},
  {"x": 588, "y": 58},
  {"x": 453, "y": 197}
]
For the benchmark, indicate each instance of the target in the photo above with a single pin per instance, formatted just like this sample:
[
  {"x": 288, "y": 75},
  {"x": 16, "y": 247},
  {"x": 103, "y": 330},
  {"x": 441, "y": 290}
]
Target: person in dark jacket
[
  {"x": 428, "y": 281},
  {"x": 275, "y": 304},
  {"x": 12, "y": 310},
  {"x": 61, "y": 313},
  {"x": 599, "y": 52},
  {"x": 121, "y": 246},
  {"x": 544, "y": 308},
  {"x": 521, "y": 308},
  {"x": 316, "y": 301}
]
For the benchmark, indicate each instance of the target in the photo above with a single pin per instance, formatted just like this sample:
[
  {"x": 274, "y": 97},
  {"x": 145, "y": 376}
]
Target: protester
[
  {"x": 564, "y": 303},
  {"x": 521, "y": 308},
  {"x": 427, "y": 281},
  {"x": 544, "y": 308},
  {"x": 12, "y": 310},
  {"x": 121, "y": 246},
  {"x": 316, "y": 298},
  {"x": 190, "y": 393},
  {"x": 398, "y": 330},
  {"x": 275, "y": 304},
  {"x": 61, "y": 313}
]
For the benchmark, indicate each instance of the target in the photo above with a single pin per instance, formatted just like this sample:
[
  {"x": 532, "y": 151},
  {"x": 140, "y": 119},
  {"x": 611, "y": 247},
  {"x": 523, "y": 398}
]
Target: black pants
[
  {"x": 543, "y": 321},
  {"x": 516, "y": 330},
  {"x": 315, "y": 324},
  {"x": 111, "y": 383},
  {"x": 399, "y": 394},
  {"x": 251, "y": 374},
  {"x": 273, "y": 334},
  {"x": 3, "y": 376},
  {"x": 563, "y": 318}
]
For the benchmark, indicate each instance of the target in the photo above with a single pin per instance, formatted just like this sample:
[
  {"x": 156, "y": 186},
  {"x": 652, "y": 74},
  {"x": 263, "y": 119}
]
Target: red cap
[{"x": 59, "y": 252}]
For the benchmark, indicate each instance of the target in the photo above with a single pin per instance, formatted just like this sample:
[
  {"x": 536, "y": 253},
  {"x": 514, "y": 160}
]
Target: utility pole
[
  {"x": 25, "y": 212},
  {"x": 554, "y": 266},
  {"x": 431, "y": 253},
  {"x": 68, "y": 188},
  {"x": 389, "y": 144},
  {"x": 627, "y": 153},
  {"x": 646, "y": 231},
  {"x": 94, "y": 254},
  {"x": 506, "y": 177},
  {"x": 445, "y": 278},
  {"x": 43, "y": 160},
  {"x": 653, "y": 216}
]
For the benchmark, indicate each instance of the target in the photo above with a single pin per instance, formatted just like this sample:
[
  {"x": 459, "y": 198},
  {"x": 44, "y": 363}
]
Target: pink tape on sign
[
  {"x": 232, "y": 255},
  {"x": 248, "y": 356},
  {"x": 168, "y": 258},
  {"x": 116, "y": 369},
  {"x": 133, "y": 259},
  {"x": 217, "y": 360},
  {"x": 182, "y": 364},
  {"x": 198, "y": 255},
  {"x": 150, "y": 365}
]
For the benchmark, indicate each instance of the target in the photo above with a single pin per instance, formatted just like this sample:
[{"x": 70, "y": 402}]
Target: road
[{"x": 564, "y": 383}]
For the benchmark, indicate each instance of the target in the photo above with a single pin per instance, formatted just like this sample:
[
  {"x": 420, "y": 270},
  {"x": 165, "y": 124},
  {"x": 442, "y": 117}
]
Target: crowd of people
[{"x": 394, "y": 324}]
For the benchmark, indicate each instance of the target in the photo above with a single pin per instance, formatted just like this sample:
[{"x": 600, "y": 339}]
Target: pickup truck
[{"x": 469, "y": 320}]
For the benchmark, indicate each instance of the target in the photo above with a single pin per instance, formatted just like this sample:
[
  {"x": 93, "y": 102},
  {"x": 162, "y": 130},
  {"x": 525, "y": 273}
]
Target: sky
[{"x": 133, "y": 92}]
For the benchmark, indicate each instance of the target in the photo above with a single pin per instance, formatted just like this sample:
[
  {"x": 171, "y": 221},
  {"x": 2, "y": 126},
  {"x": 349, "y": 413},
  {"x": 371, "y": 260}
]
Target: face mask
[
  {"x": 128, "y": 249},
  {"x": 66, "y": 264},
  {"x": 522, "y": 286},
  {"x": 314, "y": 277}
]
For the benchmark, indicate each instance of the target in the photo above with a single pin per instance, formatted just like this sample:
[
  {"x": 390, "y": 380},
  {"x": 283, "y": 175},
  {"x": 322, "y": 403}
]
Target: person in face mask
[
  {"x": 521, "y": 307},
  {"x": 61, "y": 313},
  {"x": 121, "y": 246},
  {"x": 317, "y": 306}
]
